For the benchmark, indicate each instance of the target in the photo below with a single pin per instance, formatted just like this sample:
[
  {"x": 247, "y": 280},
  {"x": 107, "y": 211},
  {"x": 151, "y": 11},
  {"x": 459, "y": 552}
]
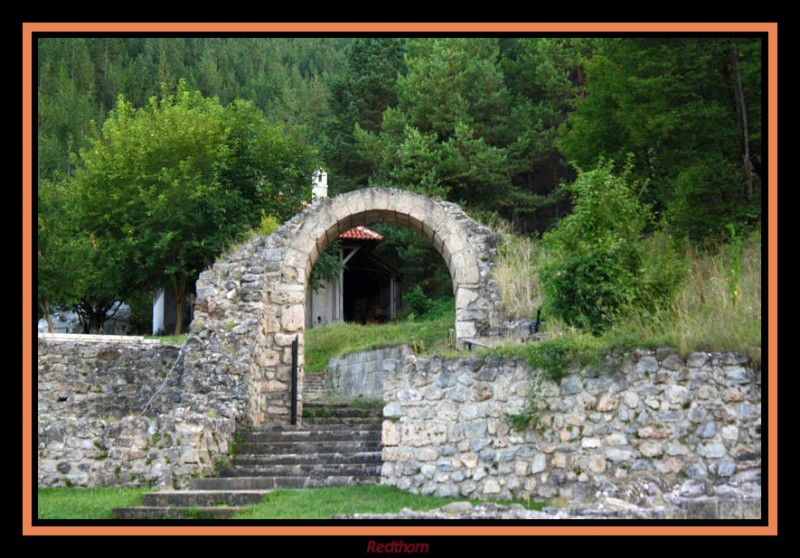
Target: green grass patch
[
  {"x": 323, "y": 503},
  {"x": 85, "y": 503},
  {"x": 324, "y": 343}
]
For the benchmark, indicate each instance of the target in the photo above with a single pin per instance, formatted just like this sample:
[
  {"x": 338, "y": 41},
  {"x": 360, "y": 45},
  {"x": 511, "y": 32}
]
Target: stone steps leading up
[
  {"x": 309, "y": 448},
  {"x": 317, "y": 435},
  {"x": 203, "y": 498},
  {"x": 340, "y": 411},
  {"x": 316, "y": 386},
  {"x": 270, "y": 483},
  {"x": 314, "y": 470},
  {"x": 336, "y": 445},
  {"x": 373, "y": 457},
  {"x": 162, "y": 512}
]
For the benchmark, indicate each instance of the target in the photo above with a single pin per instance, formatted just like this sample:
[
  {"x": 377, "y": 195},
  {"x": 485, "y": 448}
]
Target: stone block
[
  {"x": 702, "y": 508},
  {"x": 390, "y": 434},
  {"x": 426, "y": 434}
]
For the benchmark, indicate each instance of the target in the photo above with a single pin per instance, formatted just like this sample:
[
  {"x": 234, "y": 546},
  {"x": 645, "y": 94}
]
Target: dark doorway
[{"x": 371, "y": 291}]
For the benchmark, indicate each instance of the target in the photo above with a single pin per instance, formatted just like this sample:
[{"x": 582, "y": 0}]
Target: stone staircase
[
  {"x": 316, "y": 386},
  {"x": 337, "y": 445}
]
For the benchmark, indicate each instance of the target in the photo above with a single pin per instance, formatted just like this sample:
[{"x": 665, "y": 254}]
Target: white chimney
[{"x": 320, "y": 189}]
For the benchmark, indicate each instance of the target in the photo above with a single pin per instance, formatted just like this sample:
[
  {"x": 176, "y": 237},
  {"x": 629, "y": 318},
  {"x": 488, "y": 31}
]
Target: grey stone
[
  {"x": 696, "y": 360},
  {"x": 447, "y": 450},
  {"x": 668, "y": 416},
  {"x": 707, "y": 430},
  {"x": 739, "y": 375},
  {"x": 696, "y": 471},
  {"x": 477, "y": 445},
  {"x": 539, "y": 463},
  {"x": 445, "y": 380},
  {"x": 618, "y": 455},
  {"x": 647, "y": 364},
  {"x": 459, "y": 394},
  {"x": 713, "y": 451},
  {"x": 571, "y": 386},
  {"x": 673, "y": 362},
  {"x": 726, "y": 469},
  {"x": 702, "y": 508}
]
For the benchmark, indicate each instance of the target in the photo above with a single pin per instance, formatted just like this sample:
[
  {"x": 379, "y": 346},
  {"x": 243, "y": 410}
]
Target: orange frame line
[{"x": 770, "y": 28}]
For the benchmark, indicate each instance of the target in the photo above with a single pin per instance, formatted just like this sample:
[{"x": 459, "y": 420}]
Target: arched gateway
[{"x": 251, "y": 305}]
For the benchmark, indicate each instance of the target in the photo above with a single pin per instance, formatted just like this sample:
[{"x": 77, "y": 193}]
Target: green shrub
[
  {"x": 601, "y": 263},
  {"x": 417, "y": 303}
]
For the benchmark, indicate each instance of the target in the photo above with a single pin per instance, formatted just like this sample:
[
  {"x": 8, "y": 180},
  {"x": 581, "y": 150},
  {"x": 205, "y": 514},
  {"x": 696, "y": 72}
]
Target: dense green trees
[
  {"x": 675, "y": 104},
  {"x": 156, "y": 187}
]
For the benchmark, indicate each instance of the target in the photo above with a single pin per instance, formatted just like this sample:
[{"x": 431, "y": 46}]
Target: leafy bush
[
  {"x": 601, "y": 263},
  {"x": 417, "y": 303}
]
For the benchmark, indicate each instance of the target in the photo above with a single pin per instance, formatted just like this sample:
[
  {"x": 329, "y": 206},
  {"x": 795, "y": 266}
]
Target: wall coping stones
[{"x": 88, "y": 338}]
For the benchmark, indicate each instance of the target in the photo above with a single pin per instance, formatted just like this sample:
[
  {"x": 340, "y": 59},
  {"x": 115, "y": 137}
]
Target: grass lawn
[
  {"x": 85, "y": 503},
  {"x": 320, "y": 503}
]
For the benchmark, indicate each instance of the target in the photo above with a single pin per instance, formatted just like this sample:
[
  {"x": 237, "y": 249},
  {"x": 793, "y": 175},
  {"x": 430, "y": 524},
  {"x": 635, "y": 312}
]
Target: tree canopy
[
  {"x": 154, "y": 153},
  {"x": 170, "y": 184}
]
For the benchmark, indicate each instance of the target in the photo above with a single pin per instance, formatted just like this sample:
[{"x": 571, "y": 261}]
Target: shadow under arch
[{"x": 251, "y": 305}]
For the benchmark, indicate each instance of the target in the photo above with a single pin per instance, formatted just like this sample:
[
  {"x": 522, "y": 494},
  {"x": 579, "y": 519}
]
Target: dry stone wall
[
  {"x": 660, "y": 430},
  {"x": 91, "y": 430}
]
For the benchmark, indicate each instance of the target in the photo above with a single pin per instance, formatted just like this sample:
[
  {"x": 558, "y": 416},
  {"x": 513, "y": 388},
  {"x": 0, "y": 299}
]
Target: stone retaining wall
[
  {"x": 362, "y": 373},
  {"x": 659, "y": 430},
  {"x": 91, "y": 431}
]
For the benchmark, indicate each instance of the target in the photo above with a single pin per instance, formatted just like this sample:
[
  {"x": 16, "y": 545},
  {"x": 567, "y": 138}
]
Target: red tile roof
[{"x": 360, "y": 233}]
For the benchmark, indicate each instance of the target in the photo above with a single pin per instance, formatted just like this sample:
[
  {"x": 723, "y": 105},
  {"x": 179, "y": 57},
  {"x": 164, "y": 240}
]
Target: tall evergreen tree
[{"x": 672, "y": 102}]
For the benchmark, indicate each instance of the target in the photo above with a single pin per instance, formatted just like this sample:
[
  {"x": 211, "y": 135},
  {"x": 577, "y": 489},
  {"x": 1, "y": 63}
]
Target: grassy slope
[
  {"x": 325, "y": 342},
  {"x": 718, "y": 309}
]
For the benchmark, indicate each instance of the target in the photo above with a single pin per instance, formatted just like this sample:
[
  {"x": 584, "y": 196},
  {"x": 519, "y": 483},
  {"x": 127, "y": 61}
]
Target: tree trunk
[
  {"x": 46, "y": 311},
  {"x": 180, "y": 293},
  {"x": 742, "y": 109}
]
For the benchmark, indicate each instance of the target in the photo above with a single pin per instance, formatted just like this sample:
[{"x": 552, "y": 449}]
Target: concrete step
[
  {"x": 341, "y": 411},
  {"x": 203, "y": 498},
  {"x": 331, "y": 425},
  {"x": 166, "y": 512},
  {"x": 342, "y": 422},
  {"x": 269, "y": 483},
  {"x": 317, "y": 435},
  {"x": 322, "y": 446},
  {"x": 373, "y": 457},
  {"x": 300, "y": 470}
]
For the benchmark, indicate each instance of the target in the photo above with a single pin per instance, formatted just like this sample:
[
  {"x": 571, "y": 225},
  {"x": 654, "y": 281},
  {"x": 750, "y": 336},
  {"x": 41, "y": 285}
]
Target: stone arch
[{"x": 251, "y": 304}]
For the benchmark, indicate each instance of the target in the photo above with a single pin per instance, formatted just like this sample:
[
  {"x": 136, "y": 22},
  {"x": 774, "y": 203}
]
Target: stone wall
[
  {"x": 251, "y": 305},
  {"x": 361, "y": 373},
  {"x": 659, "y": 429},
  {"x": 100, "y": 376},
  {"x": 91, "y": 430}
]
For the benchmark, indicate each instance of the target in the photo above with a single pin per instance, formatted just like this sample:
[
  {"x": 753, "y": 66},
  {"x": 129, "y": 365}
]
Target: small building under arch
[{"x": 366, "y": 290}]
